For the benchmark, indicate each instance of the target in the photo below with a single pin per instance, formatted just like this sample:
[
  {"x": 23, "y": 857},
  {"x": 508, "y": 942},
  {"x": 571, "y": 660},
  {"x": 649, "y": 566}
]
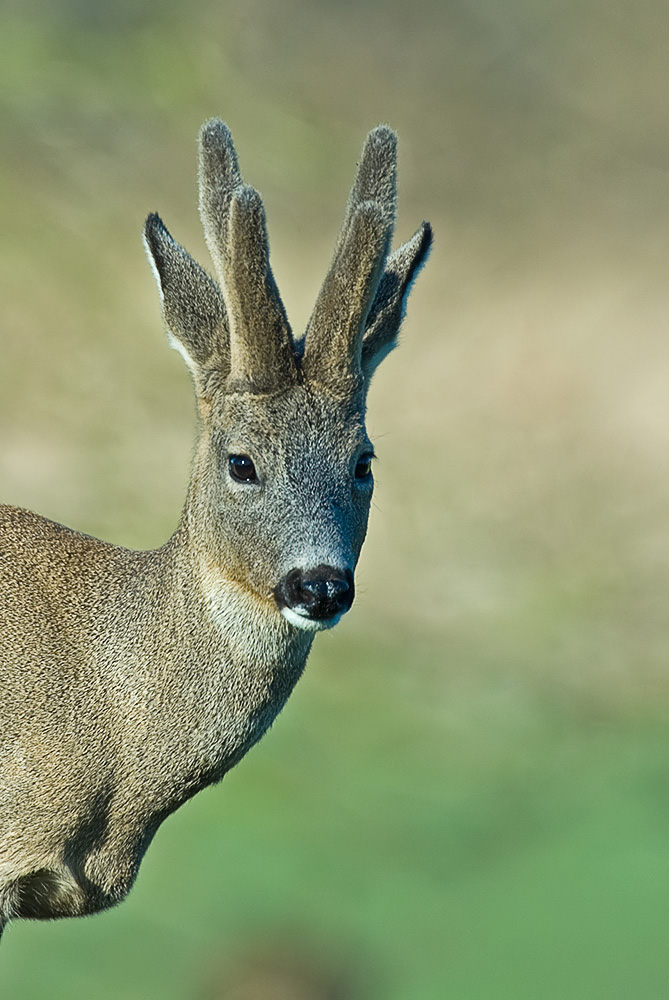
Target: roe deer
[{"x": 130, "y": 680}]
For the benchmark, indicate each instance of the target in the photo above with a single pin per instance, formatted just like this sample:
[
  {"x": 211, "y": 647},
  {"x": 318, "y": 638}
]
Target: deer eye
[
  {"x": 242, "y": 469},
  {"x": 363, "y": 466}
]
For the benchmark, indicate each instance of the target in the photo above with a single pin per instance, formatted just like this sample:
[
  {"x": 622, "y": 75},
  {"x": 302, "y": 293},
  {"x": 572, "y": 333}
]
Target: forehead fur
[{"x": 299, "y": 414}]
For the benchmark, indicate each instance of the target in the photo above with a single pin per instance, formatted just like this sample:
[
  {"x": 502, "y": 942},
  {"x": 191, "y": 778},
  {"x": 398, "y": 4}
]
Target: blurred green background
[{"x": 468, "y": 794}]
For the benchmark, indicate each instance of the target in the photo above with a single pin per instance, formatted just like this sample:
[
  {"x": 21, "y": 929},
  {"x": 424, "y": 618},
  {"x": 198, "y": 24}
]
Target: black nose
[{"x": 318, "y": 593}]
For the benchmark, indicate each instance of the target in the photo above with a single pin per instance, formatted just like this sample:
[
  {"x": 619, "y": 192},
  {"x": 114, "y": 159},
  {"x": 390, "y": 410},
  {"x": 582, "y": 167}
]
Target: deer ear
[
  {"x": 389, "y": 305},
  {"x": 193, "y": 305}
]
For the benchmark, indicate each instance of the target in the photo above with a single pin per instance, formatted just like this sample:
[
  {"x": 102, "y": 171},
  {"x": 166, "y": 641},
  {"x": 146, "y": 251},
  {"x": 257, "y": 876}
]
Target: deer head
[{"x": 282, "y": 479}]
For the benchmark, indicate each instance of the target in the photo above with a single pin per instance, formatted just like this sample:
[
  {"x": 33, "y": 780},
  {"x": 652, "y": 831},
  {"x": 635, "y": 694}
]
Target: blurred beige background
[{"x": 503, "y": 676}]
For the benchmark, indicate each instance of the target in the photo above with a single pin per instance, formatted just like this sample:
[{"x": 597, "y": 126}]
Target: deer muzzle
[{"x": 315, "y": 598}]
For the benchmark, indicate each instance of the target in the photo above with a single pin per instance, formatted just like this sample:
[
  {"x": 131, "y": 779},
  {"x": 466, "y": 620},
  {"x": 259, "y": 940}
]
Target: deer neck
[{"x": 221, "y": 666}]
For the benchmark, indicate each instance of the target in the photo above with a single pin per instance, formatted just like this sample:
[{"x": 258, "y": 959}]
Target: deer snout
[{"x": 315, "y": 598}]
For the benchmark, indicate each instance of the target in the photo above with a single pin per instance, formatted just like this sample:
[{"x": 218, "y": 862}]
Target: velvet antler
[{"x": 261, "y": 347}]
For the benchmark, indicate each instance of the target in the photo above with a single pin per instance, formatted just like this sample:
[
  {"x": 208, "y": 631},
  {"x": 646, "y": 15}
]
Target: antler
[
  {"x": 241, "y": 332},
  {"x": 333, "y": 345},
  {"x": 261, "y": 347},
  {"x": 362, "y": 302}
]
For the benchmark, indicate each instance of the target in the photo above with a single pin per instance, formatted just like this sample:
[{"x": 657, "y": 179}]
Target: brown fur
[{"x": 130, "y": 680}]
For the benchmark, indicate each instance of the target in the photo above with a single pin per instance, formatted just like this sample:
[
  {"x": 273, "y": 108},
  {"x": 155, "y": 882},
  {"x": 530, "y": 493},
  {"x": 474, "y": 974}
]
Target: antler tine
[
  {"x": 333, "y": 344},
  {"x": 376, "y": 178},
  {"x": 219, "y": 178}
]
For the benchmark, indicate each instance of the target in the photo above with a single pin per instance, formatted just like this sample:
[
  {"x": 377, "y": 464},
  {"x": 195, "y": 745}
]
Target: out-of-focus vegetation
[{"x": 468, "y": 794}]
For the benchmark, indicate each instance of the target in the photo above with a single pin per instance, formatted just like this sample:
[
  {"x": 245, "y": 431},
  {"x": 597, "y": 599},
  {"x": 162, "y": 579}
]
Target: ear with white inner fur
[{"x": 193, "y": 305}]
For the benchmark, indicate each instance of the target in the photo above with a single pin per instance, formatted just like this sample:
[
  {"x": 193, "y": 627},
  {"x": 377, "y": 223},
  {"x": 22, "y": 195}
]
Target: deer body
[
  {"x": 130, "y": 680},
  {"x": 155, "y": 705}
]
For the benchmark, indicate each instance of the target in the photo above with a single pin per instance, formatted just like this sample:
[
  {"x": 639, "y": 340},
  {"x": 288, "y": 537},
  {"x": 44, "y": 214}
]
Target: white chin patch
[{"x": 308, "y": 624}]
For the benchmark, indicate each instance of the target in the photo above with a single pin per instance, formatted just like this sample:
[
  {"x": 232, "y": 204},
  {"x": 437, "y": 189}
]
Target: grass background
[{"x": 468, "y": 794}]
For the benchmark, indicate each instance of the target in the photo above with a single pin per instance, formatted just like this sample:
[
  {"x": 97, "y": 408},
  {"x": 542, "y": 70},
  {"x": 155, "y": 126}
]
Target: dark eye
[
  {"x": 242, "y": 469},
  {"x": 363, "y": 468}
]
